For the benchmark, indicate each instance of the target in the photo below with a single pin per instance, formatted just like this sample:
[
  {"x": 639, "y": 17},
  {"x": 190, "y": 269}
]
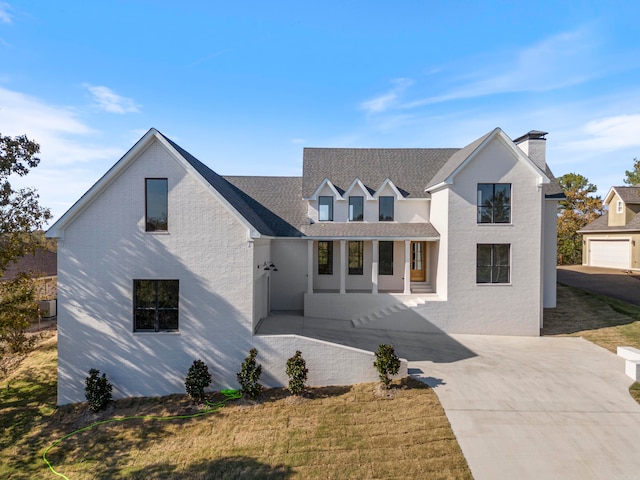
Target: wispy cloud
[
  {"x": 111, "y": 102},
  {"x": 5, "y": 16},
  {"x": 298, "y": 141},
  {"x": 559, "y": 61},
  {"x": 609, "y": 134},
  {"x": 387, "y": 100}
]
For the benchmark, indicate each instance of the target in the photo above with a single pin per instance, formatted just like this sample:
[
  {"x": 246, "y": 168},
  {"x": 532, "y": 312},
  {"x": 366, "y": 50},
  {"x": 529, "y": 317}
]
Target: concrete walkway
[
  {"x": 520, "y": 407},
  {"x": 614, "y": 283}
]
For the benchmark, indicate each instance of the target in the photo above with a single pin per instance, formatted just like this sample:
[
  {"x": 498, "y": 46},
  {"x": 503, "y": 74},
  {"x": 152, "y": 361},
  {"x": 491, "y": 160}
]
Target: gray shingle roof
[
  {"x": 375, "y": 230},
  {"x": 601, "y": 224},
  {"x": 39, "y": 264},
  {"x": 628, "y": 194},
  {"x": 410, "y": 169}
]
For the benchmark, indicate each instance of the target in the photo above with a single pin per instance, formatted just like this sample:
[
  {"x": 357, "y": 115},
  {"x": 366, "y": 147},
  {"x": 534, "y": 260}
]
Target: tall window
[
  {"x": 492, "y": 263},
  {"x": 156, "y": 204},
  {"x": 619, "y": 207},
  {"x": 325, "y": 258},
  {"x": 494, "y": 203},
  {"x": 356, "y": 210},
  {"x": 386, "y": 209},
  {"x": 155, "y": 305},
  {"x": 325, "y": 209},
  {"x": 355, "y": 257},
  {"x": 385, "y": 260}
]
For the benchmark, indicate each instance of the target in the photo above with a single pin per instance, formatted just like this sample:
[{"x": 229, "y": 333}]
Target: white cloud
[
  {"x": 109, "y": 101},
  {"x": 5, "y": 16},
  {"x": 387, "y": 100},
  {"x": 610, "y": 133},
  {"x": 298, "y": 141}
]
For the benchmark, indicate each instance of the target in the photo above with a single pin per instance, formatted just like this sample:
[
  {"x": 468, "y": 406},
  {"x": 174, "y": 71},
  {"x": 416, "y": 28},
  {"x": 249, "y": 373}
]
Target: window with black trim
[
  {"x": 325, "y": 257},
  {"x": 156, "y": 205},
  {"x": 356, "y": 257},
  {"x": 493, "y": 263},
  {"x": 356, "y": 209},
  {"x": 386, "y": 209},
  {"x": 494, "y": 203},
  {"x": 325, "y": 209},
  {"x": 155, "y": 305},
  {"x": 385, "y": 258}
]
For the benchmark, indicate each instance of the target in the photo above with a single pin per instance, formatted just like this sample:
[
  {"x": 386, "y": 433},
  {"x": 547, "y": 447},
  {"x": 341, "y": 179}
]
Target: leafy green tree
[
  {"x": 297, "y": 372},
  {"x": 632, "y": 177},
  {"x": 198, "y": 378},
  {"x": 578, "y": 209},
  {"x": 249, "y": 376},
  {"x": 18, "y": 309},
  {"x": 387, "y": 363}
]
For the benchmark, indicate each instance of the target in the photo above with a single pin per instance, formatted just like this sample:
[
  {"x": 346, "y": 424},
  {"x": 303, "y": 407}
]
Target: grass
[
  {"x": 602, "y": 320},
  {"x": 336, "y": 432}
]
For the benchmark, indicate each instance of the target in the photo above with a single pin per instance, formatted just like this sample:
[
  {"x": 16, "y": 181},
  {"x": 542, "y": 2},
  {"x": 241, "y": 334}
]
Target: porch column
[
  {"x": 374, "y": 268},
  {"x": 407, "y": 267},
  {"x": 343, "y": 265},
  {"x": 310, "y": 266}
]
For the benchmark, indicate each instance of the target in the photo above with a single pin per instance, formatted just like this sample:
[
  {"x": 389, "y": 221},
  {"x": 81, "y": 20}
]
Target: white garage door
[{"x": 609, "y": 253}]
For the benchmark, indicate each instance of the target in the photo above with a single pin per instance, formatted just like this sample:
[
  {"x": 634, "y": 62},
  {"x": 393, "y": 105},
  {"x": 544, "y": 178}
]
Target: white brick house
[{"x": 163, "y": 261}]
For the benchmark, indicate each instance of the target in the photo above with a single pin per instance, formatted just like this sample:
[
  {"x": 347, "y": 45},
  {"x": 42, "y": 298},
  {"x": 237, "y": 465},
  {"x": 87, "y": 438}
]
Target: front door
[{"x": 418, "y": 261}]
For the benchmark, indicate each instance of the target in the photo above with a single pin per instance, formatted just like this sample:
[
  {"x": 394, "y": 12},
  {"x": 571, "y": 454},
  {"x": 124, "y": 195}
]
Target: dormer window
[
  {"x": 386, "y": 209},
  {"x": 156, "y": 205},
  {"x": 620, "y": 206},
  {"x": 356, "y": 209},
  {"x": 325, "y": 209}
]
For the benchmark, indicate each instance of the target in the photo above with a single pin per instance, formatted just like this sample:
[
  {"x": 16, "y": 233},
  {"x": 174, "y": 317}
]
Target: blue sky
[{"x": 244, "y": 86}]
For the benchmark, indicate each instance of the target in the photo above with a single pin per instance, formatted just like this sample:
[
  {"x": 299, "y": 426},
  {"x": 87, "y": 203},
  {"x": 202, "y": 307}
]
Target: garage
[{"x": 610, "y": 253}]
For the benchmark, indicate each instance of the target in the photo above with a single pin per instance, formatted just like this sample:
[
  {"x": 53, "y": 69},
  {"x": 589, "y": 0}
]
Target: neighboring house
[
  {"x": 613, "y": 240},
  {"x": 163, "y": 261}
]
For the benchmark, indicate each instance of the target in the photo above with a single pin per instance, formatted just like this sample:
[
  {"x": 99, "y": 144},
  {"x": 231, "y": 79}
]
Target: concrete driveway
[
  {"x": 614, "y": 283},
  {"x": 520, "y": 407}
]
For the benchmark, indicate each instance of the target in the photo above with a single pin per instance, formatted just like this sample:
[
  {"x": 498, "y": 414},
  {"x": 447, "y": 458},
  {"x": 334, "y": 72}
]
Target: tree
[
  {"x": 297, "y": 372},
  {"x": 18, "y": 309},
  {"x": 20, "y": 212},
  {"x": 632, "y": 177},
  {"x": 577, "y": 210},
  {"x": 387, "y": 363},
  {"x": 249, "y": 376}
]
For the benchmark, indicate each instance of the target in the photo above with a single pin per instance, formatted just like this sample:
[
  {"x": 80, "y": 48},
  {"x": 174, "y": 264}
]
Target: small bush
[
  {"x": 97, "y": 390},
  {"x": 387, "y": 363},
  {"x": 297, "y": 373},
  {"x": 198, "y": 378},
  {"x": 249, "y": 376},
  {"x": 19, "y": 308}
]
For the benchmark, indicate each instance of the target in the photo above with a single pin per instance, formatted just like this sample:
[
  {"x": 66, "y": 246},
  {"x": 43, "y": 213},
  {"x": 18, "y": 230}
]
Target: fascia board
[
  {"x": 358, "y": 182},
  {"x": 369, "y": 238},
  {"x": 609, "y": 196},
  {"x": 317, "y": 191},
  {"x": 386, "y": 182},
  {"x": 57, "y": 229}
]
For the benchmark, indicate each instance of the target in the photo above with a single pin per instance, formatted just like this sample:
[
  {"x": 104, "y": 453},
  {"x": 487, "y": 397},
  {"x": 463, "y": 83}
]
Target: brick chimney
[{"x": 533, "y": 144}]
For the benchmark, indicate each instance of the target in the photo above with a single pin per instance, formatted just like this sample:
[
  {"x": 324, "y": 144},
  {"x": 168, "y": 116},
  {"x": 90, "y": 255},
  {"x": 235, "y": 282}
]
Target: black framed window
[
  {"x": 155, "y": 305},
  {"x": 492, "y": 263},
  {"x": 156, "y": 205},
  {"x": 356, "y": 209},
  {"x": 325, "y": 257},
  {"x": 356, "y": 258},
  {"x": 325, "y": 209},
  {"x": 494, "y": 203},
  {"x": 385, "y": 258},
  {"x": 386, "y": 209}
]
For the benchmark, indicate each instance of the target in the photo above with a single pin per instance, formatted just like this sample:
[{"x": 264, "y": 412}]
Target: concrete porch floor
[{"x": 520, "y": 407}]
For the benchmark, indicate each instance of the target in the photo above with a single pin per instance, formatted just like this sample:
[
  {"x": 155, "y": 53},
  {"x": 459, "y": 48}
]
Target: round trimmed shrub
[{"x": 97, "y": 390}]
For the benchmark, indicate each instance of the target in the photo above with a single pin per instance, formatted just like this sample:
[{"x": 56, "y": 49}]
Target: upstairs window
[
  {"x": 385, "y": 258},
  {"x": 156, "y": 205},
  {"x": 492, "y": 263},
  {"x": 619, "y": 206},
  {"x": 386, "y": 209},
  {"x": 356, "y": 257},
  {"x": 356, "y": 209},
  {"x": 494, "y": 203},
  {"x": 325, "y": 258},
  {"x": 155, "y": 305},
  {"x": 325, "y": 209}
]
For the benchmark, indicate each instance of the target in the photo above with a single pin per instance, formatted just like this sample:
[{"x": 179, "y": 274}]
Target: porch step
[
  {"x": 361, "y": 320},
  {"x": 421, "y": 288}
]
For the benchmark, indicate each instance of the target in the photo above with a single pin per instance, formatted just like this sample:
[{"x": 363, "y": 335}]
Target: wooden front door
[{"x": 418, "y": 261}]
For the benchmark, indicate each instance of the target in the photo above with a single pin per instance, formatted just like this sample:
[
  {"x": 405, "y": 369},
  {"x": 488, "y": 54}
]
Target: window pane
[
  {"x": 144, "y": 319},
  {"x": 356, "y": 209},
  {"x": 500, "y": 275},
  {"x": 386, "y": 209},
  {"x": 145, "y": 293},
  {"x": 325, "y": 258},
  {"x": 156, "y": 204},
  {"x": 168, "y": 294},
  {"x": 168, "y": 319},
  {"x": 484, "y": 255},
  {"x": 355, "y": 258},
  {"x": 485, "y": 194},
  {"x": 494, "y": 203},
  {"x": 325, "y": 209},
  {"x": 385, "y": 261},
  {"x": 501, "y": 255},
  {"x": 483, "y": 275},
  {"x": 493, "y": 263}
]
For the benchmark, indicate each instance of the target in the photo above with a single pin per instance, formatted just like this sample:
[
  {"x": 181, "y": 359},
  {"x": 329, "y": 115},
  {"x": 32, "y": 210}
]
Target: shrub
[
  {"x": 19, "y": 309},
  {"x": 387, "y": 363},
  {"x": 297, "y": 373},
  {"x": 250, "y": 375},
  {"x": 97, "y": 390},
  {"x": 198, "y": 378}
]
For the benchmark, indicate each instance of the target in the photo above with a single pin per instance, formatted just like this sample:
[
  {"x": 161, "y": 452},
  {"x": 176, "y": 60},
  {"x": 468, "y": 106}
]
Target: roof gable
[{"x": 630, "y": 195}]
